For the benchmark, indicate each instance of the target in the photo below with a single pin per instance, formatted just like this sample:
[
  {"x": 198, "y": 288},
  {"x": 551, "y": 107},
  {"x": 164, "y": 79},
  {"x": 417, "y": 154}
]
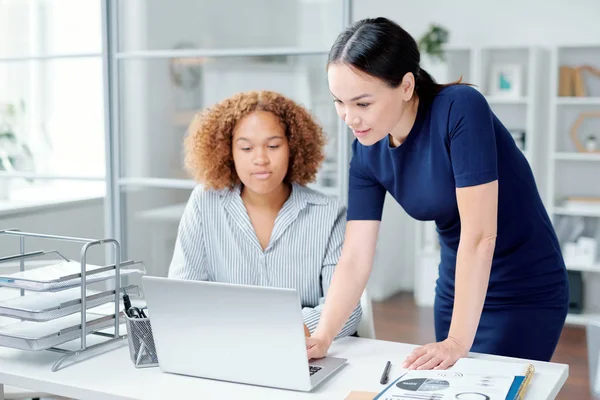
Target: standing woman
[{"x": 444, "y": 156}]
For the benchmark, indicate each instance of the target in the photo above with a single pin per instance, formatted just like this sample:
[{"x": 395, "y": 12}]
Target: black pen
[
  {"x": 386, "y": 372},
  {"x": 126, "y": 302}
]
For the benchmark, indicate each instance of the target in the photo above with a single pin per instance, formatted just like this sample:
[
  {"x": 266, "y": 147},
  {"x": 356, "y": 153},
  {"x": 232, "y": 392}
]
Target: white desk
[{"x": 112, "y": 376}]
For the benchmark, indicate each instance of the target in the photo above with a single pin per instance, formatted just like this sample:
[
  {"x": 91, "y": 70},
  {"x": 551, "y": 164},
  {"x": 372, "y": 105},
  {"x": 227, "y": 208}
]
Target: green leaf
[{"x": 433, "y": 40}]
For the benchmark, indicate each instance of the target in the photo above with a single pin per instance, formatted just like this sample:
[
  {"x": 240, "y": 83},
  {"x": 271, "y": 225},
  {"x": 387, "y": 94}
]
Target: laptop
[{"x": 236, "y": 333}]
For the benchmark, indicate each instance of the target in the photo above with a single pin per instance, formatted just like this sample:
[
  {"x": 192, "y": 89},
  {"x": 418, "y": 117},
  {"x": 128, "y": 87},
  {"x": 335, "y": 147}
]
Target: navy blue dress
[{"x": 457, "y": 141}]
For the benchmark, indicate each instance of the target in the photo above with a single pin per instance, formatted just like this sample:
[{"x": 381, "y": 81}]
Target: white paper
[
  {"x": 36, "y": 330},
  {"x": 50, "y": 273},
  {"x": 447, "y": 385},
  {"x": 44, "y": 301},
  {"x": 476, "y": 366},
  {"x": 49, "y": 277}
]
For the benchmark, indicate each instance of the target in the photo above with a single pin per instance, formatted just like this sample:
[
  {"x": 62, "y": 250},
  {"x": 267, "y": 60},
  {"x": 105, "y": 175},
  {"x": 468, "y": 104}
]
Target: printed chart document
[{"x": 446, "y": 385}]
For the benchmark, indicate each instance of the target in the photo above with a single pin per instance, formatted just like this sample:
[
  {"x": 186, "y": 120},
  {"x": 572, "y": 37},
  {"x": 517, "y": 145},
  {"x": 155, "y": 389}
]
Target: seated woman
[{"x": 254, "y": 222}]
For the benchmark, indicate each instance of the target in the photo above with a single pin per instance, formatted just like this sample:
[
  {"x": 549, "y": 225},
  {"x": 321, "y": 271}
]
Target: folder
[
  {"x": 522, "y": 371},
  {"x": 520, "y": 384}
]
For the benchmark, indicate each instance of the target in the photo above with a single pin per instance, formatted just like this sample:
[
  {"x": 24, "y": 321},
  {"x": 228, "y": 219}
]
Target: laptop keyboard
[{"x": 313, "y": 370}]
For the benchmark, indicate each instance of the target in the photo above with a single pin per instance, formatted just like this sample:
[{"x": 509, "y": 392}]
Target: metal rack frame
[{"x": 85, "y": 351}]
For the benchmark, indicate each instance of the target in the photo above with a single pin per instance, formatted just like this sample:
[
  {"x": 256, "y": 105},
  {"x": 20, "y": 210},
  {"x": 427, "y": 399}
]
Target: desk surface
[{"x": 112, "y": 376}]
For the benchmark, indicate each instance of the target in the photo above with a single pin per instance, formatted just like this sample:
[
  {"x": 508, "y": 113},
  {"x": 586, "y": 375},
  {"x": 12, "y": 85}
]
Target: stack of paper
[{"x": 58, "y": 276}]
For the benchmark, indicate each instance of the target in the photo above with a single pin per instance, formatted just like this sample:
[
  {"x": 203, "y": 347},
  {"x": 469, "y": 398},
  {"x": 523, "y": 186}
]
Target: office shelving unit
[{"x": 570, "y": 170}]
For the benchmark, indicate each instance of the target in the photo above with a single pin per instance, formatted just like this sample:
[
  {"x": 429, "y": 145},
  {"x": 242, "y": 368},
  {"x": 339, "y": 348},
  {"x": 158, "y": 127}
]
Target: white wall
[
  {"x": 510, "y": 22},
  {"x": 395, "y": 255}
]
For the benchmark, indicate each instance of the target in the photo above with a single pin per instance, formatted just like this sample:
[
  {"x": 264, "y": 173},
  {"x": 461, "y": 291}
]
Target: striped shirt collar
[
  {"x": 299, "y": 199},
  {"x": 300, "y": 196}
]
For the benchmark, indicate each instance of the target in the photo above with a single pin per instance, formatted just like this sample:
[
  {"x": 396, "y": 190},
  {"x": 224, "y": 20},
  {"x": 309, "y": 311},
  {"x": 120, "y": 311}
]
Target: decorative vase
[{"x": 591, "y": 143}]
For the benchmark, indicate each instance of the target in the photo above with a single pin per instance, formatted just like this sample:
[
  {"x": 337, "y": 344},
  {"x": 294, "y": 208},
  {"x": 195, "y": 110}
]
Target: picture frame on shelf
[
  {"x": 585, "y": 142},
  {"x": 506, "y": 81}
]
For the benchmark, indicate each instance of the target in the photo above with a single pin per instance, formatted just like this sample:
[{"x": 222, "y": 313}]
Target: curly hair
[{"x": 208, "y": 143}]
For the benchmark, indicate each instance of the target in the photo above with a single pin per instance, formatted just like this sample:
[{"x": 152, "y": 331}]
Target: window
[{"x": 51, "y": 80}]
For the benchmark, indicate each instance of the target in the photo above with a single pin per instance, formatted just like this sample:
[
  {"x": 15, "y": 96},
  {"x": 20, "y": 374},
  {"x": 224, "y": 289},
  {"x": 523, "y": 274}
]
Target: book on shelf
[{"x": 581, "y": 203}]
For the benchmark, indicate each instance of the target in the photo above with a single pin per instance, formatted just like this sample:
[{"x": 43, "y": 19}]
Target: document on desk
[{"x": 446, "y": 385}]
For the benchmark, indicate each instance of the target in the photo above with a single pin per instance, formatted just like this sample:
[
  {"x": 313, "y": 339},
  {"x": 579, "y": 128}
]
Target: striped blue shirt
[{"x": 216, "y": 242}]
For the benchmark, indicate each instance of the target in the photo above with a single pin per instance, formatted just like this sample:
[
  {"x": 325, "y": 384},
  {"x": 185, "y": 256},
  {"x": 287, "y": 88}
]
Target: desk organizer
[
  {"x": 141, "y": 342},
  {"x": 62, "y": 308}
]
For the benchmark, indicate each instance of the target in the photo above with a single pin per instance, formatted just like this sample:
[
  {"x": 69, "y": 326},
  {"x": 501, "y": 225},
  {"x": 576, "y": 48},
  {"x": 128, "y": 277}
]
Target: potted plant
[
  {"x": 433, "y": 57},
  {"x": 13, "y": 152}
]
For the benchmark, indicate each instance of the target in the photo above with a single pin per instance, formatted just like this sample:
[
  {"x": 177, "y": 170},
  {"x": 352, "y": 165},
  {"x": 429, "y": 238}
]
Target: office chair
[
  {"x": 593, "y": 350},
  {"x": 366, "y": 327}
]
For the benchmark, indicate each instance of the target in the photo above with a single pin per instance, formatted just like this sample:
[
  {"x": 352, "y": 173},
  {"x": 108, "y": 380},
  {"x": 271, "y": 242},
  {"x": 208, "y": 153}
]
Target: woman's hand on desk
[
  {"x": 317, "y": 346},
  {"x": 440, "y": 355}
]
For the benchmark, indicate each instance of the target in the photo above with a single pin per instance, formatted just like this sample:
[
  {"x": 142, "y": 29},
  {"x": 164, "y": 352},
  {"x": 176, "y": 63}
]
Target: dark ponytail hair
[{"x": 381, "y": 48}]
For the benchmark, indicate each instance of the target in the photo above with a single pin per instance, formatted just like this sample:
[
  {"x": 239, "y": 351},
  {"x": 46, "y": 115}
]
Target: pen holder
[{"x": 141, "y": 342}]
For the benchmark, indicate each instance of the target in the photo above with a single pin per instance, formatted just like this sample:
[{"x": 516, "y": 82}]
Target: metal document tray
[
  {"x": 42, "y": 307},
  {"x": 35, "y": 336},
  {"x": 64, "y": 275}
]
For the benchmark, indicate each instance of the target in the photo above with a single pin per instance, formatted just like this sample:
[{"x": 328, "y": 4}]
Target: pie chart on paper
[{"x": 423, "y": 384}]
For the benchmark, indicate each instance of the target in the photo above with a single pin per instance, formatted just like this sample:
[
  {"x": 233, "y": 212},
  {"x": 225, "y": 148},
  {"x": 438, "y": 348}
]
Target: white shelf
[
  {"x": 581, "y": 319},
  {"x": 50, "y": 57},
  {"x": 593, "y": 268},
  {"x": 571, "y": 173},
  {"x": 492, "y": 100},
  {"x": 576, "y": 101},
  {"x": 573, "y": 156},
  {"x": 52, "y": 195},
  {"x": 578, "y": 211},
  {"x": 232, "y": 52}
]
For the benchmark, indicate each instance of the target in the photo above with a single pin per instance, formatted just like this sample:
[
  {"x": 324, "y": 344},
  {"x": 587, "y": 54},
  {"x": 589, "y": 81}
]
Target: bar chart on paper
[{"x": 446, "y": 385}]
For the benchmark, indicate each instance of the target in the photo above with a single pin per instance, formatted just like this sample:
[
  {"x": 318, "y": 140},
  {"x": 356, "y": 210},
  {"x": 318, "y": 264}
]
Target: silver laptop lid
[{"x": 245, "y": 334}]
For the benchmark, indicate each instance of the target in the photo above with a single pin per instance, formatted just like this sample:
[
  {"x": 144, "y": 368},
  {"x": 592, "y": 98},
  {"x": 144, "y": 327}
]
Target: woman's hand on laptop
[{"x": 317, "y": 346}]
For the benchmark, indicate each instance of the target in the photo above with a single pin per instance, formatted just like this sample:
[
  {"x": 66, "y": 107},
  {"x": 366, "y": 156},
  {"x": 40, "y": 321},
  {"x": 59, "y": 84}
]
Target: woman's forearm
[
  {"x": 344, "y": 294},
  {"x": 350, "y": 277},
  {"x": 473, "y": 266}
]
